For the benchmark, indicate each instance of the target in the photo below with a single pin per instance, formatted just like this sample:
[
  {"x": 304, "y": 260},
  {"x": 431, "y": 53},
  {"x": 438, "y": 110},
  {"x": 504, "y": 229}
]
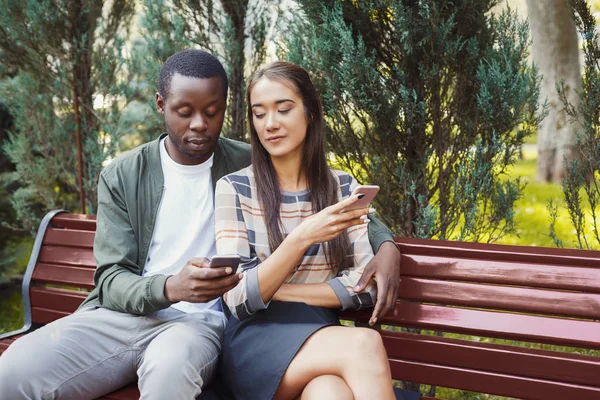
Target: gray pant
[{"x": 96, "y": 351}]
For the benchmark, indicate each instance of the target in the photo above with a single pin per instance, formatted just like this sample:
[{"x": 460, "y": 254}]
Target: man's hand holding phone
[
  {"x": 198, "y": 282},
  {"x": 231, "y": 260}
]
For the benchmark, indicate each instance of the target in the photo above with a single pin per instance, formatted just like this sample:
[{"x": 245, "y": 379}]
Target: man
[{"x": 155, "y": 314}]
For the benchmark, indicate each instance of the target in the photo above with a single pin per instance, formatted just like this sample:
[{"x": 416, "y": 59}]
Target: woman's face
[{"x": 279, "y": 118}]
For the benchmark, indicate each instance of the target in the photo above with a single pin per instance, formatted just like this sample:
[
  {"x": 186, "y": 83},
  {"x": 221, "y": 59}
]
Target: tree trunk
[
  {"x": 236, "y": 10},
  {"x": 556, "y": 54}
]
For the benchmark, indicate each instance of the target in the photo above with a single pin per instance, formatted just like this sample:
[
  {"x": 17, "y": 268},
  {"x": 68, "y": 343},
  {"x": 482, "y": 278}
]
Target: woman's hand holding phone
[{"x": 329, "y": 222}]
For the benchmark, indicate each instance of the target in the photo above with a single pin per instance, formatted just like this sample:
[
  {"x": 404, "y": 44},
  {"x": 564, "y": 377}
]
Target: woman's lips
[{"x": 275, "y": 139}]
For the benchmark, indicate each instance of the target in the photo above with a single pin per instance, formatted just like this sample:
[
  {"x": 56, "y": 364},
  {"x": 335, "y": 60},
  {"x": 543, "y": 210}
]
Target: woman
[{"x": 284, "y": 339}]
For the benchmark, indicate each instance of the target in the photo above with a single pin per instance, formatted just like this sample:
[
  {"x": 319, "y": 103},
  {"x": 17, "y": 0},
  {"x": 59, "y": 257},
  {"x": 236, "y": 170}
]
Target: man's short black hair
[{"x": 192, "y": 63}]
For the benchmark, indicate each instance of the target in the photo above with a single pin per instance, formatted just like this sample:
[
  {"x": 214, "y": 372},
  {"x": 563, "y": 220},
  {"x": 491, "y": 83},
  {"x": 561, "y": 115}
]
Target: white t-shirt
[{"x": 185, "y": 223}]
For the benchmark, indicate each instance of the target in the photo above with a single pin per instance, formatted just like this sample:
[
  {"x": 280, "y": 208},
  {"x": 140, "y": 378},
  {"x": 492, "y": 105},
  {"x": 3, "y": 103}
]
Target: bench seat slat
[
  {"x": 528, "y": 328},
  {"x": 489, "y": 382},
  {"x": 68, "y": 237},
  {"x": 75, "y": 221},
  {"x": 56, "y": 299},
  {"x": 538, "y": 301},
  {"x": 501, "y": 252},
  {"x": 64, "y": 275},
  {"x": 80, "y": 257},
  {"x": 502, "y": 272},
  {"x": 492, "y": 357}
]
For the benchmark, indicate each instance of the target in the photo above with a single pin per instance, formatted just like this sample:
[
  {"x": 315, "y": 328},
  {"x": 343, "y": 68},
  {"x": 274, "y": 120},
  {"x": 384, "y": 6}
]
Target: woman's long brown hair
[{"x": 321, "y": 182}]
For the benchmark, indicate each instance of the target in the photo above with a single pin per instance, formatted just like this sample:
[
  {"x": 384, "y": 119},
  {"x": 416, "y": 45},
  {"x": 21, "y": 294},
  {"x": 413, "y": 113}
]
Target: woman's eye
[
  {"x": 285, "y": 111},
  {"x": 259, "y": 116},
  {"x": 184, "y": 114}
]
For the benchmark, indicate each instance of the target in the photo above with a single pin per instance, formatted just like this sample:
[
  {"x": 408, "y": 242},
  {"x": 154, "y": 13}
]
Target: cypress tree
[
  {"x": 69, "y": 58},
  {"x": 429, "y": 99},
  {"x": 582, "y": 183}
]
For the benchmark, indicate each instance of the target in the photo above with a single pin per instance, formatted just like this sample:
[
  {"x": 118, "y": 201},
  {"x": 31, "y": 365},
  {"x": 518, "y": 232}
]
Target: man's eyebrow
[{"x": 276, "y": 102}]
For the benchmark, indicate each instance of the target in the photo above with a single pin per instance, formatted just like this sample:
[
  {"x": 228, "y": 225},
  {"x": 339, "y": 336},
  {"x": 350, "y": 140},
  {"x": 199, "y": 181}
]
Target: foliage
[
  {"x": 581, "y": 183},
  {"x": 7, "y": 188},
  {"x": 432, "y": 100},
  {"x": 235, "y": 31},
  {"x": 61, "y": 52}
]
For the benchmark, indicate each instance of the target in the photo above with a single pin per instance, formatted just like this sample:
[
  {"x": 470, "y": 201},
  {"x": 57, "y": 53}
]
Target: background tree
[
  {"x": 555, "y": 51},
  {"x": 236, "y": 31},
  {"x": 582, "y": 181},
  {"x": 69, "y": 56},
  {"x": 429, "y": 99}
]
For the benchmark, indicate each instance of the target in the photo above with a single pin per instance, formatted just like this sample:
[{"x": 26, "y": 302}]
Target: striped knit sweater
[{"x": 240, "y": 229}]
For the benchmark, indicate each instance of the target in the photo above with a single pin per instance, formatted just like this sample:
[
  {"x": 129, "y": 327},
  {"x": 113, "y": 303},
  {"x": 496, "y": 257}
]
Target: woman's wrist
[{"x": 297, "y": 238}]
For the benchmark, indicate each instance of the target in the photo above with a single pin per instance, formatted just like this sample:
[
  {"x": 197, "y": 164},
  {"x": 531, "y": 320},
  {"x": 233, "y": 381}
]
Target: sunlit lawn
[{"x": 532, "y": 214}]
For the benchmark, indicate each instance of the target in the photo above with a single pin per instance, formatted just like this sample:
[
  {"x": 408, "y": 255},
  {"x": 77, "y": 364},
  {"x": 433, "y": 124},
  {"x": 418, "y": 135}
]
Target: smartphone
[
  {"x": 369, "y": 191},
  {"x": 231, "y": 260}
]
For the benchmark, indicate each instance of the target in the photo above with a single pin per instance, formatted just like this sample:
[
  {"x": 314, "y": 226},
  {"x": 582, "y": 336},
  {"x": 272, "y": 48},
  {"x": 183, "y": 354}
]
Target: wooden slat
[
  {"x": 56, "y": 299},
  {"x": 488, "y": 382},
  {"x": 527, "y": 328},
  {"x": 64, "y": 275},
  {"x": 40, "y": 315},
  {"x": 481, "y": 251},
  {"x": 490, "y": 357},
  {"x": 67, "y": 256},
  {"x": 75, "y": 221},
  {"x": 537, "y": 301},
  {"x": 69, "y": 238},
  {"x": 502, "y": 272}
]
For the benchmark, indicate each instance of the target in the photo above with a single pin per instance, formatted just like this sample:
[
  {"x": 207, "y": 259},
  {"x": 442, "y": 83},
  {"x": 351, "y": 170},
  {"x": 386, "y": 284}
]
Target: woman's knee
[
  {"x": 368, "y": 346},
  {"x": 327, "y": 387}
]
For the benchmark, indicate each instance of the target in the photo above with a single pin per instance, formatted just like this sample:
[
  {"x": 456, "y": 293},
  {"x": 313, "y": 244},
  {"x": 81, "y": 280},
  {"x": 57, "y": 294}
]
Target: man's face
[{"x": 194, "y": 112}]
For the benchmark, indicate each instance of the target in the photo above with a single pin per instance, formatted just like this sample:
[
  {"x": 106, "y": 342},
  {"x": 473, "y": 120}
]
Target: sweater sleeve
[
  {"x": 118, "y": 277},
  {"x": 231, "y": 231},
  {"x": 345, "y": 281}
]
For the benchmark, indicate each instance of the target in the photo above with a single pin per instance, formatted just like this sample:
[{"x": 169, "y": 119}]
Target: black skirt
[{"x": 257, "y": 351}]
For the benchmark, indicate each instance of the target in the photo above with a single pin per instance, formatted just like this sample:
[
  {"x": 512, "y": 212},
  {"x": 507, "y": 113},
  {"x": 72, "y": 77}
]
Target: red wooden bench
[{"x": 541, "y": 296}]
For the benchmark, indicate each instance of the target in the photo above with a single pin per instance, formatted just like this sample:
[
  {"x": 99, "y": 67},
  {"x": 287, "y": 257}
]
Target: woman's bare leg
[
  {"x": 327, "y": 387},
  {"x": 356, "y": 355}
]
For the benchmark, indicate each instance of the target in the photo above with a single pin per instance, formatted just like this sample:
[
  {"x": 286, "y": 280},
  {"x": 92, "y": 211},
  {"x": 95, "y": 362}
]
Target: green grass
[
  {"x": 532, "y": 215},
  {"x": 11, "y": 310}
]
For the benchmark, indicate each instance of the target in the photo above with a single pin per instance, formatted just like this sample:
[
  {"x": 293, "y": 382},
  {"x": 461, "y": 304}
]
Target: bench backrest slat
[
  {"x": 528, "y": 328},
  {"x": 482, "y": 251},
  {"x": 69, "y": 238},
  {"x": 507, "y": 272},
  {"x": 75, "y": 221},
  {"x": 72, "y": 256},
  {"x": 467, "y": 294},
  {"x": 44, "y": 316},
  {"x": 57, "y": 299},
  {"x": 75, "y": 277}
]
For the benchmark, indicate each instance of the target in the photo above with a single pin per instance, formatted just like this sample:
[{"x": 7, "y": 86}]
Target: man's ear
[{"x": 160, "y": 104}]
